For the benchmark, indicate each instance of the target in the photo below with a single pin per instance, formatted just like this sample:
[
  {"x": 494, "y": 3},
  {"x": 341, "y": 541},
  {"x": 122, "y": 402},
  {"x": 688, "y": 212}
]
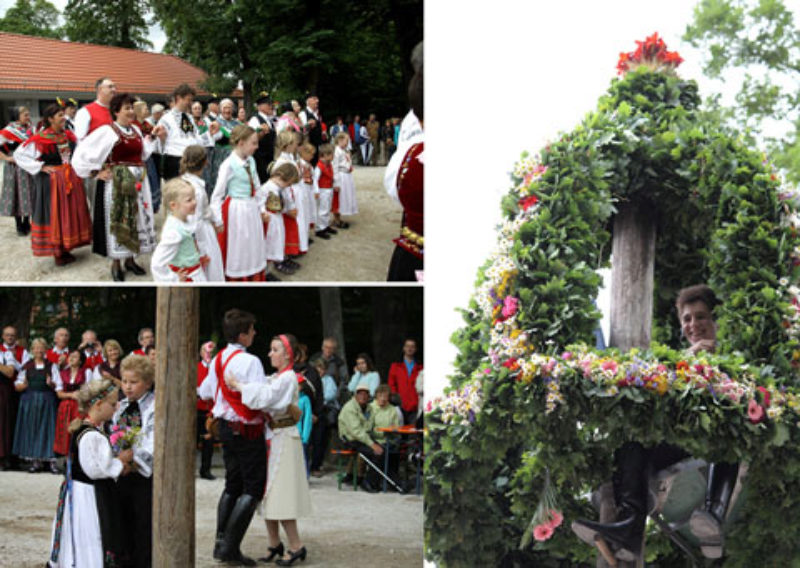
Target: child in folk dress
[
  {"x": 137, "y": 410},
  {"x": 286, "y": 148},
  {"x": 86, "y": 529},
  {"x": 207, "y": 225},
  {"x": 237, "y": 200},
  {"x": 67, "y": 384},
  {"x": 177, "y": 257},
  {"x": 307, "y": 188},
  {"x": 344, "y": 189},
  {"x": 281, "y": 176},
  {"x": 323, "y": 180}
]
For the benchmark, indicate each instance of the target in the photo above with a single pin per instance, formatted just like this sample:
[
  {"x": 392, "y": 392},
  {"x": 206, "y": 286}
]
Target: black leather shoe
[
  {"x": 207, "y": 475},
  {"x": 117, "y": 275},
  {"x": 323, "y": 235},
  {"x": 367, "y": 486},
  {"x": 273, "y": 552},
  {"x": 270, "y": 277},
  {"x": 131, "y": 265},
  {"x": 293, "y": 556},
  {"x": 332, "y": 231}
]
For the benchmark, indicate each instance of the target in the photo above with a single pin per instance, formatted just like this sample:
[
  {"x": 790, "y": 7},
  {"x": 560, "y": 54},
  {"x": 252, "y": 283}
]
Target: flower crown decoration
[{"x": 651, "y": 52}]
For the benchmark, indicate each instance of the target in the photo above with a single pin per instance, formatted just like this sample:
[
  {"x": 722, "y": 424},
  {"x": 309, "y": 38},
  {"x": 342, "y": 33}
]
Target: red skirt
[
  {"x": 292, "y": 246},
  {"x": 61, "y": 219},
  {"x": 335, "y": 202},
  {"x": 67, "y": 412}
]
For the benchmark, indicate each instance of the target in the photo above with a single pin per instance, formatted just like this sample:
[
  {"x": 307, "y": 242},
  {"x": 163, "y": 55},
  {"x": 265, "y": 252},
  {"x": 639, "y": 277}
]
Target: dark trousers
[
  {"x": 245, "y": 461},
  {"x": 172, "y": 167},
  {"x": 319, "y": 443},
  {"x": 136, "y": 503},
  {"x": 206, "y": 445},
  {"x": 371, "y": 476},
  {"x": 409, "y": 416}
]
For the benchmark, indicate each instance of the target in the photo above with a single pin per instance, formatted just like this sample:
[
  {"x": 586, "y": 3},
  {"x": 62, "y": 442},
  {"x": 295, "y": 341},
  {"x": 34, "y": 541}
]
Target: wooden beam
[
  {"x": 633, "y": 255},
  {"x": 177, "y": 310}
]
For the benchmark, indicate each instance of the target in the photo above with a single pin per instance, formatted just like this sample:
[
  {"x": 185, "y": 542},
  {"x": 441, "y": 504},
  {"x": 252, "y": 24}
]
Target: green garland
[{"x": 722, "y": 219}]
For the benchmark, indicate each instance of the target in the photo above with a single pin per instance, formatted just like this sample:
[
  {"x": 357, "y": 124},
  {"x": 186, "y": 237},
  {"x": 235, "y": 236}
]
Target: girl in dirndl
[
  {"x": 224, "y": 145},
  {"x": 88, "y": 528},
  {"x": 344, "y": 199},
  {"x": 60, "y": 220},
  {"x": 67, "y": 383},
  {"x": 17, "y": 191}
]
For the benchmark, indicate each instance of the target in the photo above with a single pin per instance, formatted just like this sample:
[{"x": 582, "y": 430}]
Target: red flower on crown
[{"x": 651, "y": 51}]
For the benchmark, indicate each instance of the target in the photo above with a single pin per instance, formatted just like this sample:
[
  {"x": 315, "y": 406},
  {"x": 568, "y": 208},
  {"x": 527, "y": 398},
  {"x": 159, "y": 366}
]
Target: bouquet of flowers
[
  {"x": 547, "y": 517},
  {"x": 123, "y": 437}
]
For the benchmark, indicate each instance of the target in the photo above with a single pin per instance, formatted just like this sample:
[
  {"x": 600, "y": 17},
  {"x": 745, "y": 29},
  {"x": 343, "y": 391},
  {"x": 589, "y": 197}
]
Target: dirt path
[
  {"x": 361, "y": 253},
  {"x": 346, "y": 528}
]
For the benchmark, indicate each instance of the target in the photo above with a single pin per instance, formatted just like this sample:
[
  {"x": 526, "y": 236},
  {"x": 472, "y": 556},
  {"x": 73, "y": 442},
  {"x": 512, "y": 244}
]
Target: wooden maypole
[{"x": 177, "y": 319}]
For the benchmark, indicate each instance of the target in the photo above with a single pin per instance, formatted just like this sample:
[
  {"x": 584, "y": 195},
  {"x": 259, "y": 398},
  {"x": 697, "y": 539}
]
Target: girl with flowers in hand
[
  {"x": 634, "y": 462},
  {"x": 87, "y": 529},
  {"x": 60, "y": 220},
  {"x": 67, "y": 382},
  {"x": 287, "y": 497},
  {"x": 116, "y": 154}
]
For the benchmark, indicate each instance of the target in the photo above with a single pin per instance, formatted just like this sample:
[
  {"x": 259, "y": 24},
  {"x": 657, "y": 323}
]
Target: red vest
[
  {"x": 99, "y": 115},
  {"x": 52, "y": 357},
  {"x": 202, "y": 373},
  {"x": 19, "y": 351},
  {"x": 127, "y": 150},
  {"x": 326, "y": 175},
  {"x": 410, "y": 188}
]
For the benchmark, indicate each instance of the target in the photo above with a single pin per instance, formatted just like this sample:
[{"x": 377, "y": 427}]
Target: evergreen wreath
[{"x": 533, "y": 414}]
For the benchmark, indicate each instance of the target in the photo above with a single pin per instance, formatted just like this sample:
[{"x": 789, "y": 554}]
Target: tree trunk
[
  {"x": 174, "y": 452},
  {"x": 389, "y": 327},
  {"x": 632, "y": 265},
  {"x": 330, "y": 300}
]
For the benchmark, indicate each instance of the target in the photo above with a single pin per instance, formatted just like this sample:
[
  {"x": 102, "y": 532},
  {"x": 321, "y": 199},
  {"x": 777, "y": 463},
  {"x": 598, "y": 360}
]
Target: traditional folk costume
[
  {"x": 53, "y": 355},
  {"x": 323, "y": 175},
  {"x": 88, "y": 119},
  {"x": 36, "y": 420},
  {"x": 60, "y": 220},
  {"x": 123, "y": 222},
  {"x": 287, "y": 496},
  {"x": 241, "y": 431},
  {"x": 181, "y": 133},
  {"x": 206, "y": 234},
  {"x": 87, "y": 529},
  {"x": 136, "y": 488},
  {"x": 293, "y": 226},
  {"x": 266, "y": 143},
  {"x": 92, "y": 359},
  {"x": 408, "y": 254},
  {"x": 239, "y": 202},
  {"x": 344, "y": 202},
  {"x": 274, "y": 236},
  {"x": 222, "y": 149},
  {"x": 67, "y": 407},
  {"x": 308, "y": 191},
  {"x": 16, "y": 198},
  {"x": 177, "y": 252},
  {"x": 14, "y": 356}
]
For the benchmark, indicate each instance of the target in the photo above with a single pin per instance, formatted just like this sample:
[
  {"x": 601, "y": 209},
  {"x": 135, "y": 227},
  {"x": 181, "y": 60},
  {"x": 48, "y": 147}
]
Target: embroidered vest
[
  {"x": 187, "y": 255},
  {"x": 128, "y": 149},
  {"x": 99, "y": 115},
  {"x": 239, "y": 185}
]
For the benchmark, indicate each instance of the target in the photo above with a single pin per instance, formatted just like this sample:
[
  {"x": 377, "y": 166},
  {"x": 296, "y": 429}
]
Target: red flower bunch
[
  {"x": 651, "y": 51},
  {"x": 527, "y": 202}
]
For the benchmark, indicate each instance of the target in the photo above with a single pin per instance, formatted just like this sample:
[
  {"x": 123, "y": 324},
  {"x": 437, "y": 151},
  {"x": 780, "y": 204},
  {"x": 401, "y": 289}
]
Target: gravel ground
[
  {"x": 360, "y": 253},
  {"x": 347, "y": 528}
]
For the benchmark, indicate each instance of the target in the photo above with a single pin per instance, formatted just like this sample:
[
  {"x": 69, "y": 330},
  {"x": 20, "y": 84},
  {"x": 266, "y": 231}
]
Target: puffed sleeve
[
  {"x": 149, "y": 143},
  {"x": 273, "y": 396},
  {"x": 165, "y": 251},
  {"x": 143, "y": 448},
  {"x": 27, "y": 157},
  {"x": 96, "y": 457},
  {"x": 91, "y": 153},
  {"x": 338, "y": 157},
  {"x": 20, "y": 377},
  {"x": 221, "y": 189},
  {"x": 58, "y": 383},
  {"x": 82, "y": 122}
]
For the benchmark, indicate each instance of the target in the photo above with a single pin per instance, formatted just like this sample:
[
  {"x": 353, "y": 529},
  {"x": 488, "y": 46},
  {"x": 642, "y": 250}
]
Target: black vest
[{"x": 266, "y": 145}]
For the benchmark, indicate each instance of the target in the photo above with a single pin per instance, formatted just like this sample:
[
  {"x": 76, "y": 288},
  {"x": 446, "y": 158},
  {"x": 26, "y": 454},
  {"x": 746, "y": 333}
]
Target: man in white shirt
[
  {"x": 95, "y": 114},
  {"x": 241, "y": 431},
  {"x": 263, "y": 122},
  {"x": 181, "y": 131}
]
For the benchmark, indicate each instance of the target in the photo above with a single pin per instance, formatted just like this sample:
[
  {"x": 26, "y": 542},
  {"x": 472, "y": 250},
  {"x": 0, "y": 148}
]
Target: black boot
[
  {"x": 206, "y": 454},
  {"x": 224, "y": 508},
  {"x": 20, "y": 226},
  {"x": 237, "y": 525},
  {"x": 706, "y": 525},
  {"x": 630, "y": 492}
]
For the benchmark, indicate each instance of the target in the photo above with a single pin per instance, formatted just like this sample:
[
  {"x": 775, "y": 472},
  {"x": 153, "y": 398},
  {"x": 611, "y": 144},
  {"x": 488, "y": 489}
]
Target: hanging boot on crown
[
  {"x": 622, "y": 538},
  {"x": 706, "y": 524}
]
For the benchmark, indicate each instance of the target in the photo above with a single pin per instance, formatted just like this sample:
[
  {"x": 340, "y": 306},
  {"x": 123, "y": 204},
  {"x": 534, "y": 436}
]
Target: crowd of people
[
  {"x": 98, "y": 175},
  {"x": 87, "y": 412}
]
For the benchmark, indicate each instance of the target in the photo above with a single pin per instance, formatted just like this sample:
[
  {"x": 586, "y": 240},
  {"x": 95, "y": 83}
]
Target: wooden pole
[
  {"x": 633, "y": 254},
  {"x": 177, "y": 310},
  {"x": 632, "y": 264}
]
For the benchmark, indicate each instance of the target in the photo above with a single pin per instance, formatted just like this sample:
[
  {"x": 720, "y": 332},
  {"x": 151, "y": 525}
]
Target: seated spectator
[
  {"x": 364, "y": 372},
  {"x": 384, "y": 415},
  {"x": 328, "y": 417},
  {"x": 355, "y": 430}
]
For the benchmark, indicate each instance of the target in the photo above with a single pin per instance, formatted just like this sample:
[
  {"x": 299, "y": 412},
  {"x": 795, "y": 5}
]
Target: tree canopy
[
  {"x": 761, "y": 38},
  {"x": 32, "y": 17},
  {"x": 122, "y": 23}
]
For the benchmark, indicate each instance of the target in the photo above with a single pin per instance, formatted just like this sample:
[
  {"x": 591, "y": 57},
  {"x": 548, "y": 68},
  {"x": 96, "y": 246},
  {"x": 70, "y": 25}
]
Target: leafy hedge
[{"x": 722, "y": 219}]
